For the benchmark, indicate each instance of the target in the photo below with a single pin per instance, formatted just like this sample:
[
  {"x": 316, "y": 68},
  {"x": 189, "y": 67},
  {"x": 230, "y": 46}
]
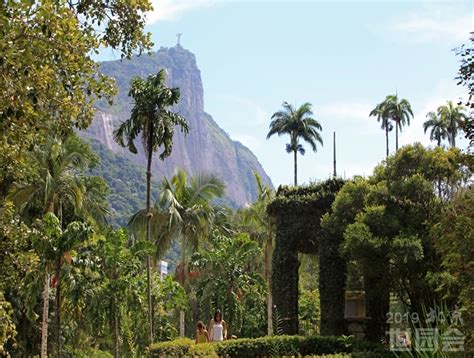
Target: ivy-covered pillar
[
  {"x": 285, "y": 265},
  {"x": 332, "y": 282}
]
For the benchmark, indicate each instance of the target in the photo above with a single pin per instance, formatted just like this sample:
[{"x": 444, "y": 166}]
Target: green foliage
[
  {"x": 226, "y": 279},
  {"x": 151, "y": 119},
  {"x": 177, "y": 348},
  {"x": 438, "y": 125},
  {"x": 268, "y": 346},
  {"x": 7, "y": 326},
  {"x": 87, "y": 353},
  {"x": 189, "y": 209},
  {"x": 309, "y": 312},
  {"x": 19, "y": 284},
  {"x": 49, "y": 81},
  {"x": 386, "y": 222},
  {"x": 203, "y": 350},
  {"x": 255, "y": 221},
  {"x": 454, "y": 235},
  {"x": 105, "y": 286},
  {"x": 391, "y": 109},
  {"x": 448, "y": 120},
  {"x": 150, "y": 116},
  {"x": 57, "y": 181},
  {"x": 125, "y": 180}
]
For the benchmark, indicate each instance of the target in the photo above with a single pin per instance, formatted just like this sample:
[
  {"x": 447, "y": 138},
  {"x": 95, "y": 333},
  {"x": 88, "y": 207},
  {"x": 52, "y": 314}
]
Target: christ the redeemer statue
[{"x": 178, "y": 35}]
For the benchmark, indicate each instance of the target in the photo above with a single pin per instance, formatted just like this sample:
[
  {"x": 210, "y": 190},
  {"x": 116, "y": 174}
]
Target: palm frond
[{"x": 21, "y": 194}]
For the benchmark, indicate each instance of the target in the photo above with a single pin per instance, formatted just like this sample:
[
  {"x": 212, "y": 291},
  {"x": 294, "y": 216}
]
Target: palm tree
[
  {"x": 184, "y": 213},
  {"x": 260, "y": 226},
  {"x": 439, "y": 130},
  {"x": 380, "y": 111},
  {"x": 400, "y": 111},
  {"x": 454, "y": 117},
  {"x": 390, "y": 109},
  {"x": 299, "y": 124},
  {"x": 57, "y": 184},
  {"x": 156, "y": 124},
  {"x": 191, "y": 214}
]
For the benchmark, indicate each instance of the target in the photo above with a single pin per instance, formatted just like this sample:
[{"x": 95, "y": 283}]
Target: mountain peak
[{"x": 207, "y": 148}]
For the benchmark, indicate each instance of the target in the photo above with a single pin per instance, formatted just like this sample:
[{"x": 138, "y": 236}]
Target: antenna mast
[{"x": 334, "y": 153}]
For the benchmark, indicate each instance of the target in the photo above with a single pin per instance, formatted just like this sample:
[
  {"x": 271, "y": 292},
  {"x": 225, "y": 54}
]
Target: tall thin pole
[{"x": 334, "y": 153}]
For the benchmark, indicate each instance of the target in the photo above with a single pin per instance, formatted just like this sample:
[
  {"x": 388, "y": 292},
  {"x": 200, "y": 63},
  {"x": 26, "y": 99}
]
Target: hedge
[{"x": 267, "y": 346}]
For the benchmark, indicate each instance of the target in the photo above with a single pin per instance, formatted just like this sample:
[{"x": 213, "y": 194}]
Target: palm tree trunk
[
  {"x": 396, "y": 136},
  {"x": 386, "y": 138},
  {"x": 183, "y": 267},
  {"x": 296, "y": 166},
  {"x": 453, "y": 139},
  {"x": 58, "y": 307},
  {"x": 269, "y": 295},
  {"x": 148, "y": 233},
  {"x": 44, "y": 321}
]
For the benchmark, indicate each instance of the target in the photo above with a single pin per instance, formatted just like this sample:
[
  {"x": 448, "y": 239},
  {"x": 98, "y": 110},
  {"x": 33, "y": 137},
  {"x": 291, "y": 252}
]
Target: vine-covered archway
[{"x": 297, "y": 213}]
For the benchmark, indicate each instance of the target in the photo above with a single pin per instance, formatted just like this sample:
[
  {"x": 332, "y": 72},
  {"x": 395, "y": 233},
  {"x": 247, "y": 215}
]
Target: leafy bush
[
  {"x": 203, "y": 350},
  {"x": 88, "y": 353},
  {"x": 268, "y": 346},
  {"x": 176, "y": 348}
]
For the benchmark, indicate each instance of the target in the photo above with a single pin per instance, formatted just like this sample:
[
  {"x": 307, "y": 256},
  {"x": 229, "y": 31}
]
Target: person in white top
[{"x": 217, "y": 328}]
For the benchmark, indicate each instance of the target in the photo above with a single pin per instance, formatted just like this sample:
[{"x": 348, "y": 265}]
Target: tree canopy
[{"x": 49, "y": 79}]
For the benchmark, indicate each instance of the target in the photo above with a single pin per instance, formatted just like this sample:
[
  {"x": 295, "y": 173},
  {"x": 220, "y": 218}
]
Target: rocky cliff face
[{"x": 207, "y": 148}]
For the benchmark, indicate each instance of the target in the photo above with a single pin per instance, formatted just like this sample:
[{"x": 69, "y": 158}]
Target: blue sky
[{"x": 343, "y": 57}]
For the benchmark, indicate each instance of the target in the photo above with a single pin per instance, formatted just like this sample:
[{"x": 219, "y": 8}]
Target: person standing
[
  {"x": 201, "y": 334},
  {"x": 217, "y": 328}
]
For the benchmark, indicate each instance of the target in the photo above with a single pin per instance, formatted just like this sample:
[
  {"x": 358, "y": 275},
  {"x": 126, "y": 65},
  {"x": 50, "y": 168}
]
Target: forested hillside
[{"x": 126, "y": 180}]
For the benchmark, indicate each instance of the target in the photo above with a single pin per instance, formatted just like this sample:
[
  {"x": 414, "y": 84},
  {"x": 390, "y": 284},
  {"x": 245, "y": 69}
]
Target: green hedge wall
[
  {"x": 267, "y": 346},
  {"x": 332, "y": 283},
  {"x": 297, "y": 212}
]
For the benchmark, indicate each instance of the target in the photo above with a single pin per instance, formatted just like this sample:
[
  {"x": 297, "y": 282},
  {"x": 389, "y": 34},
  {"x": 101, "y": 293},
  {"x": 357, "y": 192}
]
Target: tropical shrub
[
  {"x": 228, "y": 280},
  {"x": 176, "y": 348},
  {"x": 88, "y": 353},
  {"x": 268, "y": 346}
]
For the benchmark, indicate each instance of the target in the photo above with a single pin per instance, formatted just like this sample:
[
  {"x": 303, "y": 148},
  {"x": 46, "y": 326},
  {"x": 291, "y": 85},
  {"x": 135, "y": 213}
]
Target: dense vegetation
[
  {"x": 72, "y": 284},
  {"x": 125, "y": 182}
]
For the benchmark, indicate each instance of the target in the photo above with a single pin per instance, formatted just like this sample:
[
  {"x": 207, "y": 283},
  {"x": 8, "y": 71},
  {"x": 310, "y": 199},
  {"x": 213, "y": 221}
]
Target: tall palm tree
[
  {"x": 151, "y": 118},
  {"x": 380, "y": 111},
  {"x": 400, "y": 111},
  {"x": 439, "y": 128},
  {"x": 57, "y": 184},
  {"x": 298, "y": 123},
  {"x": 454, "y": 116},
  {"x": 392, "y": 110},
  {"x": 260, "y": 226}
]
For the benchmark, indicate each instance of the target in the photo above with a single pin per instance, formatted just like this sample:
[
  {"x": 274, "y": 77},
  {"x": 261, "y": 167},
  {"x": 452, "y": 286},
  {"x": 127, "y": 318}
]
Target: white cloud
[
  {"x": 450, "y": 23},
  {"x": 172, "y": 10}
]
